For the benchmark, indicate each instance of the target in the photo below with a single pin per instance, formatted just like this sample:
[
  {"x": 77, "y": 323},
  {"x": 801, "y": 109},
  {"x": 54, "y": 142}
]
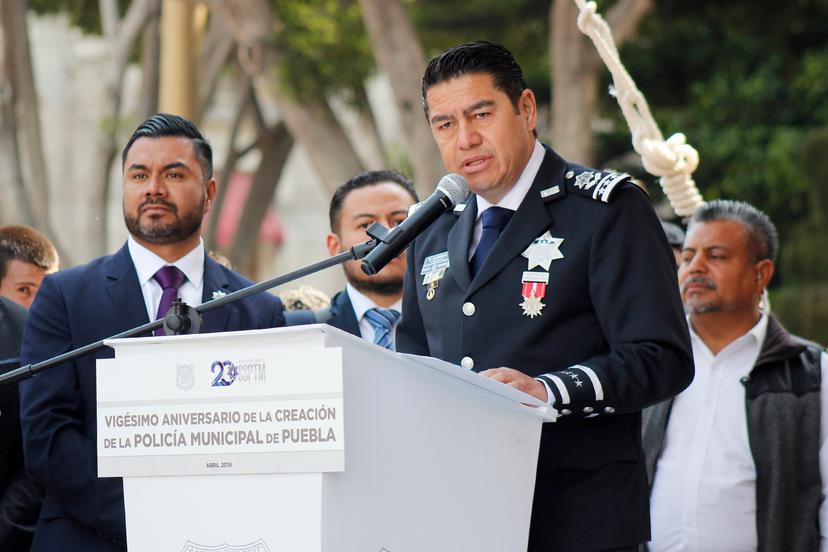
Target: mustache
[
  {"x": 158, "y": 201},
  {"x": 698, "y": 280}
]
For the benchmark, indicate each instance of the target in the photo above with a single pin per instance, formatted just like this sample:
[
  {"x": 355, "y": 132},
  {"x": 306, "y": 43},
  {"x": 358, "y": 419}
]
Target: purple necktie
[{"x": 170, "y": 279}]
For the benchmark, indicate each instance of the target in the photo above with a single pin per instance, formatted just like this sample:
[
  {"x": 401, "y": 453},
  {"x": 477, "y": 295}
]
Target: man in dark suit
[
  {"x": 19, "y": 495},
  {"x": 369, "y": 306},
  {"x": 557, "y": 280},
  {"x": 167, "y": 189}
]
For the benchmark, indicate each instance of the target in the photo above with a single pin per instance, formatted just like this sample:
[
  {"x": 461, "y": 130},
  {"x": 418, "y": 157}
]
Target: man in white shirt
[
  {"x": 168, "y": 186},
  {"x": 737, "y": 460},
  {"x": 369, "y": 306}
]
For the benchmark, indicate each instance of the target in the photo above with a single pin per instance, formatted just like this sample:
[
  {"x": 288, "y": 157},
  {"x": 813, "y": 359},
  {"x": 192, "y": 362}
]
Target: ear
[
  {"x": 210, "y": 195},
  {"x": 528, "y": 109},
  {"x": 764, "y": 273},
  {"x": 333, "y": 242}
]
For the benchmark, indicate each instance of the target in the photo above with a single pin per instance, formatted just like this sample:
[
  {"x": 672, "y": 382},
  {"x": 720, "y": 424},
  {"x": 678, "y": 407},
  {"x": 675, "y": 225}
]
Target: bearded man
[
  {"x": 369, "y": 306},
  {"x": 168, "y": 187}
]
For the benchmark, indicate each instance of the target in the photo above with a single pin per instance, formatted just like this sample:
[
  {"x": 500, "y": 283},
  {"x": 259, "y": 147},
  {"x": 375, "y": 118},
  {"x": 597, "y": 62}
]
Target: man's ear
[
  {"x": 528, "y": 109},
  {"x": 764, "y": 273},
  {"x": 210, "y": 194},
  {"x": 333, "y": 242}
]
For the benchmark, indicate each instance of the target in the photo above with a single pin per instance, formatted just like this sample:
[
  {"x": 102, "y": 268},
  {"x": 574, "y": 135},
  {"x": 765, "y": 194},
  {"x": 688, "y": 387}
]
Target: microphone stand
[{"x": 182, "y": 318}]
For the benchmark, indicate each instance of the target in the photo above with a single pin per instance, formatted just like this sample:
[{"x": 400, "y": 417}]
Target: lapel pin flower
[{"x": 218, "y": 294}]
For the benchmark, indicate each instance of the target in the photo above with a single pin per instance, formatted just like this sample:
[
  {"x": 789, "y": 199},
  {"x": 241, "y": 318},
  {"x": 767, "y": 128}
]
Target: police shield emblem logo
[
  {"x": 258, "y": 546},
  {"x": 184, "y": 376}
]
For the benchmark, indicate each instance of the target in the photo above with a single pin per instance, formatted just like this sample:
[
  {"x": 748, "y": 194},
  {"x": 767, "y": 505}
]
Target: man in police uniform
[{"x": 566, "y": 290}]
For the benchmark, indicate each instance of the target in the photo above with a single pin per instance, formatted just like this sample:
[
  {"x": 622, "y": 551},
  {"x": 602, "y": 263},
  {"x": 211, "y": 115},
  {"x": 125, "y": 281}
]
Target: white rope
[{"x": 673, "y": 160}]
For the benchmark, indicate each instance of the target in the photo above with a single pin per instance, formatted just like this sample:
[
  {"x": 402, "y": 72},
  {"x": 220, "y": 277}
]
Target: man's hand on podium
[{"x": 518, "y": 380}]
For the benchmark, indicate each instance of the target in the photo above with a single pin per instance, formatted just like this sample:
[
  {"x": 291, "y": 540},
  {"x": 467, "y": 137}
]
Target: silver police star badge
[{"x": 532, "y": 306}]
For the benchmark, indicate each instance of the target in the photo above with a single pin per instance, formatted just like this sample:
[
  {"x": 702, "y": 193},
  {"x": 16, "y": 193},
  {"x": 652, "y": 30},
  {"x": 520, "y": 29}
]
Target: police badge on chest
[{"x": 540, "y": 254}]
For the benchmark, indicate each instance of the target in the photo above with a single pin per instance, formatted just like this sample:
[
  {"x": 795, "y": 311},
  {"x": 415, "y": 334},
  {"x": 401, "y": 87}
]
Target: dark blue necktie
[{"x": 495, "y": 220}]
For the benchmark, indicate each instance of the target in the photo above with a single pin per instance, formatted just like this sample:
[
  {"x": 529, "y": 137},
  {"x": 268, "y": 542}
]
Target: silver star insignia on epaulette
[
  {"x": 587, "y": 180},
  {"x": 532, "y": 306}
]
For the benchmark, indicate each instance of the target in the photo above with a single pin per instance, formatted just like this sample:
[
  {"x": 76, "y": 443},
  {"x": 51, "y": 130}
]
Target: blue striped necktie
[{"x": 383, "y": 322}]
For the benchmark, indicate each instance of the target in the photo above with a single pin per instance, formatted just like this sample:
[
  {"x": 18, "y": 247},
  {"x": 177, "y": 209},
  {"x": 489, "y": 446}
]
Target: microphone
[{"x": 451, "y": 190}]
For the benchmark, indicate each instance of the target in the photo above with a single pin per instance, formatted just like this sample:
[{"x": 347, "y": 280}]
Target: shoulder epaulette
[{"x": 597, "y": 185}]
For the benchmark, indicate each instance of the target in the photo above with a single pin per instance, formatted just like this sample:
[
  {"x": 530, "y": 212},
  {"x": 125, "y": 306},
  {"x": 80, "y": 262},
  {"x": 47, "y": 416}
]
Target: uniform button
[
  {"x": 570, "y": 174},
  {"x": 609, "y": 410},
  {"x": 587, "y": 410},
  {"x": 468, "y": 309},
  {"x": 566, "y": 412},
  {"x": 467, "y": 363}
]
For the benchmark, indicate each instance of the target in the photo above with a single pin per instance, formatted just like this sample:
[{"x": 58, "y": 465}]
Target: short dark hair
[
  {"x": 164, "y": 124},
  {"x": 368, "y": 178},
  {"x": 763, "y": 240},
  {"x": 23, "y": 243},
  {"x": 476, "y": 57}
]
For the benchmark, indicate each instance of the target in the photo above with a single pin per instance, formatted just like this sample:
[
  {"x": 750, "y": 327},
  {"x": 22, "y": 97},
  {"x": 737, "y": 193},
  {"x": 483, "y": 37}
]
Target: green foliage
[
  {"x": 520, "y": 25},
  {"x": 325, "y": 46},
  {"x": 747, "y": 82},
  {"x": 803, "y": 310},
  {"x": 83, "y": 14}
]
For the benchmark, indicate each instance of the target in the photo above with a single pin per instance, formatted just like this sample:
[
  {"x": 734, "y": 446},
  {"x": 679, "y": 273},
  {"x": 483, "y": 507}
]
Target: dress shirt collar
[
  {"x": 514, "y": 197},
  {"x": 756, "y": 335},
  {"x": 148, "y": 263},
  {"x": 361, "y": 303}
]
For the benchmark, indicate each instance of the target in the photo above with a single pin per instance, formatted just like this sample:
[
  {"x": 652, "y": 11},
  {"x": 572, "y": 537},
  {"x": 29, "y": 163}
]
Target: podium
[{"x": 308, "y": 439}]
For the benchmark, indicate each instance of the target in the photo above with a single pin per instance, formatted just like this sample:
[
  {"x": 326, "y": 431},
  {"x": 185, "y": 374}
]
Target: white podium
[{"x": 308, "y": 439}]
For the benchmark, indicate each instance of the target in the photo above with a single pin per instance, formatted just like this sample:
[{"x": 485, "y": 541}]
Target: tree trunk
[
  {"x": 231, "y": 157},
  {"x": 576, "y": 72},
  {"x": 275, "y": 148},
  {"x": 121, "y": 46},
  {"x": 150, "y": 64},
  {"x": 315, "y": 127},
  {"x": 26, "y": 110},
  {"x": 309, "y": 120},
  {"x": 15, "y": 204},
  {"x": 399, "y": 54}
]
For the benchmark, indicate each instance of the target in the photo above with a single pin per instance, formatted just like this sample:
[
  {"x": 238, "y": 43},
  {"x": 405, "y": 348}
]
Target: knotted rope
[{"x": 673, "y": 160}]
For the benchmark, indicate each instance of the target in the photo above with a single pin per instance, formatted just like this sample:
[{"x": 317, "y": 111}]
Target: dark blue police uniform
[{"x": 580, "y": 289}]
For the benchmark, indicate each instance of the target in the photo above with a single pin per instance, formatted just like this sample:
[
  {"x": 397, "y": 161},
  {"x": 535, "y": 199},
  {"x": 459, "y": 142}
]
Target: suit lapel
[
  {"x": 214, "y": 280},
  {"x": 459, "y": 238},
  {"x": 124, "y": 290},
  {"x": 528, "y": 222}
]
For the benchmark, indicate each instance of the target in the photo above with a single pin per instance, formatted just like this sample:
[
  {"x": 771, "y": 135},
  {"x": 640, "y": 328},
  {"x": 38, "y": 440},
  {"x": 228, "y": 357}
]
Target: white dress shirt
[
  {"x": 148, "y": 263},
  {"x": 704, "y": 494},
  {"x": 513, "y": 197},
  {"x": 361, "y": 303}
]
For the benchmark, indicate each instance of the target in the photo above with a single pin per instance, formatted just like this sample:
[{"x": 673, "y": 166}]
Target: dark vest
[{"x": 782, "y": 395}]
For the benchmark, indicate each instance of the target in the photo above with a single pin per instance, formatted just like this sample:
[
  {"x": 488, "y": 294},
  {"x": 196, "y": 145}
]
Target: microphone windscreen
[{"x": 455, "y": 187}]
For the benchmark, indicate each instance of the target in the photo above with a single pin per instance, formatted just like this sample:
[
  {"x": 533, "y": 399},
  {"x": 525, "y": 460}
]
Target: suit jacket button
[
  {"x": 468, "y": 309},
  {"x": 467, "y": 363},
  {"x": 587, "y": 410},
  {"x": 609, "y": 410}
]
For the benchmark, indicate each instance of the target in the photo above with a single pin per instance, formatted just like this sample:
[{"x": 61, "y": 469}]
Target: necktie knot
[
  {"x": 169, "y": 277},
  {"x": 383, "y": 322},
  {"x": 496, "y": 218}
]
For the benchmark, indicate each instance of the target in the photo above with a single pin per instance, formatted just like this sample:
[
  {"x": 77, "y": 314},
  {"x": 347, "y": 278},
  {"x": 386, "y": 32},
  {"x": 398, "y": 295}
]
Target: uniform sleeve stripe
[
  {"x": 593, "y": 377},
  {"x": 560, "y": 385}
]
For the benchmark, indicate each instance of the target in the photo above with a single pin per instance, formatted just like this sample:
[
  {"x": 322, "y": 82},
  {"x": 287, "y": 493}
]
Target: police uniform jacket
[{"x": 610, "y": 339}]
